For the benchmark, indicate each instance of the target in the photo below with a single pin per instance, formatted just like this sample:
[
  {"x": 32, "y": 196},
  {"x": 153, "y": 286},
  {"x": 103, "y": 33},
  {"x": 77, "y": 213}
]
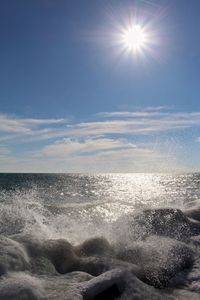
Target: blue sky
[{"x": 72, "y": 99}]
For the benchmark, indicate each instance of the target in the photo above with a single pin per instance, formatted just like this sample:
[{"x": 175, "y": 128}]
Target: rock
[
  {"x": 33, "y": 245},
  {"x": 20, "y": 286},
  {"x": 98, "y": 265},
  {"x": 159, "y": 259},
  {"x": 163, "y": 222},
  {"x": 196, "y": 240},
  {"x": 42, "y": 266},
  {"x": 39, "y": 262},
  {"x": 62, "y": 255},
  {"x": 94, "y": 246},
  {"x": 109, "y": 285},
  {"x": 66, "y": 287},
  {"x": 121, "y": 284},
  {"x": 13, "y": 256},
  {"x": 118, "y": 284},
  {"x": 167, "y": 222},
  {"x": 193, "y": 213}
]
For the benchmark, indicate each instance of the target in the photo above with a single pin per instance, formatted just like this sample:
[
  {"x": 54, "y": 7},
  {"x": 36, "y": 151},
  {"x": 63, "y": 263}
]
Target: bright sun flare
[{"x": 134, "y": 38}]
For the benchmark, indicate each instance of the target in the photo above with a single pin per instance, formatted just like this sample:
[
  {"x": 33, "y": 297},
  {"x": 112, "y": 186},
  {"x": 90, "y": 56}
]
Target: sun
[{"x": 134, "y": 38}]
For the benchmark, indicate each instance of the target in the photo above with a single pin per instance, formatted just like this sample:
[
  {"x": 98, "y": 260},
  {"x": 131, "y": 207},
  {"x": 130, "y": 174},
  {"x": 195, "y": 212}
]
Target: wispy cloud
[
  {"x": 145, "y": 112},
  {"x": 85, "y": 147},
  {"x": 135, "y": 123},
  {"x": 121, "y": 141},
  {"x": 12, "y": 124},
  {"x": 128, "y": 114},
  {"x": 93, "y": 156}
]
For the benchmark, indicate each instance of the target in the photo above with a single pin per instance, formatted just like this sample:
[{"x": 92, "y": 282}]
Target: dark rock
[
  {"x": 33, "y": 245},
  {"x": 160, "y": 259},
  {"x": 95, "y": 246},
  {"x": 163, "y": 222},
  {"x": 193, "y": 213},
  {"x": 21, "y": 286},
  {"x": 62, "y": 255},
  {"x": 13, "y": 256},
  {"x": 98, "y": 265},
  {"x": 118, "y": 284}
]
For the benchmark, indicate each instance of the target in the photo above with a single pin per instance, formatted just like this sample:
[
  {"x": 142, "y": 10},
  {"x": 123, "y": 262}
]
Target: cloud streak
[
  {"x": 136, "y": 123},
  {"x": 24, "y": 126},
  {"x": 102, "y": 155},
  {"x": 86, "y": 147},
  {"x": 122, "y": 141}
]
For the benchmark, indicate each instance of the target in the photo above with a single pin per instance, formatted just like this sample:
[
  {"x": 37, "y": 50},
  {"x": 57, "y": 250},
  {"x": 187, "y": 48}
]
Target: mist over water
[{"x": 136, "y": 213}]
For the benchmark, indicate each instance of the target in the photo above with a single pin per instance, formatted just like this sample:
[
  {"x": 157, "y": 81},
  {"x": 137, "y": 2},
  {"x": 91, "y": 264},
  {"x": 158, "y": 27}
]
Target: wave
[
  {"x": 100, "y": 237},
  {"x": 153, "y": 254}
]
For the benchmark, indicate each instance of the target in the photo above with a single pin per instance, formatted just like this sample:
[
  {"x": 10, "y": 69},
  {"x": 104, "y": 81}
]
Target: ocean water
[{"x": 108, "y": 236}]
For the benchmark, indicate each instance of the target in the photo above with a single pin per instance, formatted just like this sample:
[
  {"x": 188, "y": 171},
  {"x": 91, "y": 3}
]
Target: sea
[{"x": 99, "y": 236}]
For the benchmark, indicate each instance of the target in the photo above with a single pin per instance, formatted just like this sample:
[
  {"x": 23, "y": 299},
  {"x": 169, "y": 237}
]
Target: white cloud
[
  {"x": 24, "y": 126},
  {"x": 71, "y": 158},
  {"x": 88, "y": 146},
  {"x": 136, "y": 123},
  {"x": 100, "y": 145},
  {"x": 147, "y": 113}
]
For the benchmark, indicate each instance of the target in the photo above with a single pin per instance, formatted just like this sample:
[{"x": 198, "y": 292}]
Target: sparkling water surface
[
  {"x": 77, "y": 207},
  {"x": 57, "y": 200}
]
